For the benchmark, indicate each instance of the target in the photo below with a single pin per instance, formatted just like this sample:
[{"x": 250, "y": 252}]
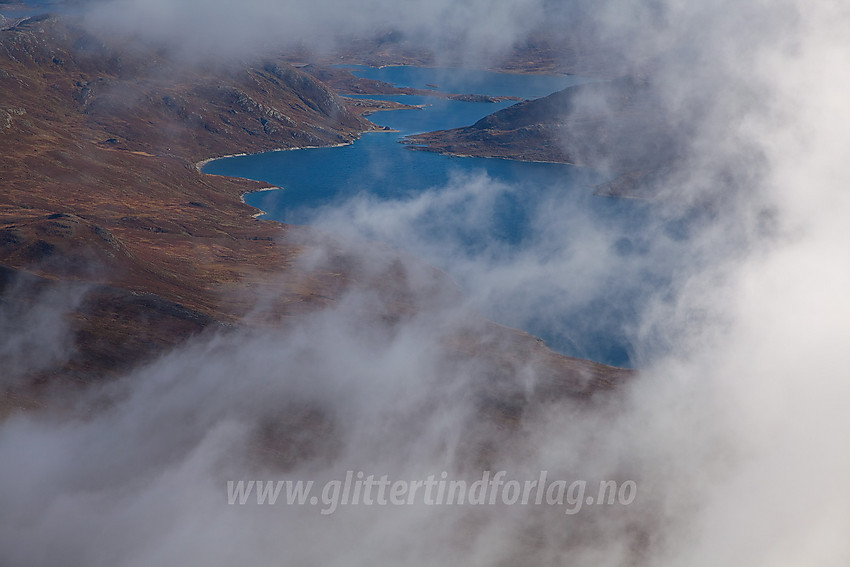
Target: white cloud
[{"x": 735, "y": 429}]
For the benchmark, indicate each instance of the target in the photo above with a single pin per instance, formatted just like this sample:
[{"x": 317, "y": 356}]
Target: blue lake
[
  {"x": 467, "y": 81},
  {"x": 377, "y": 165}
]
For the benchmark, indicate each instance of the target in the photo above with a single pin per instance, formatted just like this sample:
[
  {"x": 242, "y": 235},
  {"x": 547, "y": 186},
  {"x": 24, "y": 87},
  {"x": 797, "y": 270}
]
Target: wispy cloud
[
  {"x": 221, "y": 30},
  {"x": 734, "y": 429}
]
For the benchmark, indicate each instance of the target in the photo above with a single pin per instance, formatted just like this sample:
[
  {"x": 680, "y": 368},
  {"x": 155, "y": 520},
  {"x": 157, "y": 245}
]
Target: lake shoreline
[{"x": 200, "y": 165}]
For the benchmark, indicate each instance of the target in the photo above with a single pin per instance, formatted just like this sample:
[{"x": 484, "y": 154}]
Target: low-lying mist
[{"x": 733, "y": 429}]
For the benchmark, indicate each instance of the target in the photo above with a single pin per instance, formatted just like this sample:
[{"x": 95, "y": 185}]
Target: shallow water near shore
[{"x": 377, "y": 166}]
